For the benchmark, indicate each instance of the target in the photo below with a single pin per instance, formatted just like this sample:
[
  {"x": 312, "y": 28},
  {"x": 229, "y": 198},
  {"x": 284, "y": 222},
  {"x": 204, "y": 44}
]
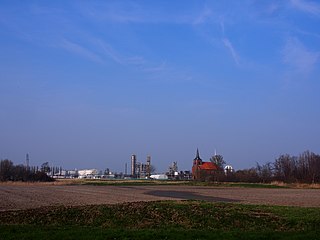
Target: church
[{"x": 202, "y": 170}]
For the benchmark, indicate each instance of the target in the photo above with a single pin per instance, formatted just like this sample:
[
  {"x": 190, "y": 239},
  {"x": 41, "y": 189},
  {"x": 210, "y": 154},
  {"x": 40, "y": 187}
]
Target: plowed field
[{"x": 36, "y": 195}]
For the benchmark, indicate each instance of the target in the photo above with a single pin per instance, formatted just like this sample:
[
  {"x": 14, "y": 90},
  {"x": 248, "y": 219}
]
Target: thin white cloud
[
  {"x": 158, "y": 68},
  {"x": 221, "y": 22},
  {"x": 126, "y": 12},
  {"x": 231, "y": 49},
  {"x": 108, "y": 50},
  {"x": 204, "y": 15},
  {"x": 136, "y": 61},
  {"x": 307, "y": 33},
  {"x": 272, "y": 8},
  {"x": 307, "y": 6},
  {"x": 298, "y": 57},
  {"x": 80, "y": 50},
  {"x": 117, "y": 11}
]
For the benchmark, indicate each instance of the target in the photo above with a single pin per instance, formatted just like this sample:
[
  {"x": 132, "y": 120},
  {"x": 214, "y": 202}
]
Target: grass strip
[
  {"x": 162, "y": 220},
  {"x": 97, "y": 233}
]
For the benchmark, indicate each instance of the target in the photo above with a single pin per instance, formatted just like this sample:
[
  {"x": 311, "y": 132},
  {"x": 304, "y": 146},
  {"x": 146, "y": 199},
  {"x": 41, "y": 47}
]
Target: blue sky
[{"x": 85, "y": 84}]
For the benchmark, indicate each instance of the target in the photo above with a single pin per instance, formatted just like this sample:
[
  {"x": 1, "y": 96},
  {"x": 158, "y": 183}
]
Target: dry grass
[
  {"x": 62, "y": 182},
  {"x": 305, "y": 185},
  {"x": 296, "y": 185},
  {"x": 278, "y": 183},
  {"x": 55, "y": 183}
]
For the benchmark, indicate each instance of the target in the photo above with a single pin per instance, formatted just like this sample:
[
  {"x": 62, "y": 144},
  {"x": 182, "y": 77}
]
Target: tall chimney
[
  {"x": 148, "y": 166},
  {"x": 133, "y": 165}
]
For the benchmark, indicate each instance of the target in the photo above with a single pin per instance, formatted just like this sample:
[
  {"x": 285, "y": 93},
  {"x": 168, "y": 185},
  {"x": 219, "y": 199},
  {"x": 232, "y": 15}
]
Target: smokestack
[
  {"x": 133, "y": 165},
  {"x": 148, "y": 166}
]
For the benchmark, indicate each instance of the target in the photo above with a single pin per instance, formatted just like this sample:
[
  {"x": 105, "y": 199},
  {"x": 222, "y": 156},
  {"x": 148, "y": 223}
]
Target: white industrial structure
[
  {"x": 228, "y": 169},
  {"x": 87, "y": 173},
  {"x": 159, "y": 176}
]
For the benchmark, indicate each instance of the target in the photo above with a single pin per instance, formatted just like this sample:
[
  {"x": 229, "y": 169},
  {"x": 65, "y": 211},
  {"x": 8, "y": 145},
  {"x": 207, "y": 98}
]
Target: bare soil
[{"x": 25, "y": 196}]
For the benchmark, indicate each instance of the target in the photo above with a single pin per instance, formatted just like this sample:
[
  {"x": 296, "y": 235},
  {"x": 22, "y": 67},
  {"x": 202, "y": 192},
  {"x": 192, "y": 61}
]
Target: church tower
[
  {"x": 197, "y": 161},
  {"x": 203, "y": 170}
]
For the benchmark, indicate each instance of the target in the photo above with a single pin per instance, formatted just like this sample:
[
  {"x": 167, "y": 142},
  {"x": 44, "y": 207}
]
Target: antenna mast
[{"x": 27, "y": 160}]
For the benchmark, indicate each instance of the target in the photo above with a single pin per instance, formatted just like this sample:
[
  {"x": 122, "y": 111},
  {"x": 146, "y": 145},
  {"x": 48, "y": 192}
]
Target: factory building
[
  {"x": 140, "y": 170},
  {"x": 87, "y": 173}
]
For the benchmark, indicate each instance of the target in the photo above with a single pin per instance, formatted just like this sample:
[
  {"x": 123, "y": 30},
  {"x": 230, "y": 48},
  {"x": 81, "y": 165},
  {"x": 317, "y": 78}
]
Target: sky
[{"x": 85, "y": 84}]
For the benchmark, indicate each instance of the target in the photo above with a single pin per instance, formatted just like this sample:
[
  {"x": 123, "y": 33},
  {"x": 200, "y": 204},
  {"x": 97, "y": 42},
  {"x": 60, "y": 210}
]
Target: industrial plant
[{"x": 138, "y": 170}]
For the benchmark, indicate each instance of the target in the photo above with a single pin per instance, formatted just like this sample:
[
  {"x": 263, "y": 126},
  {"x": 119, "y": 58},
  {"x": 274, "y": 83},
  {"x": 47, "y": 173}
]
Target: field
[
  {"x": 25, "y": 196},
  {"x": 114, "y": 210}
]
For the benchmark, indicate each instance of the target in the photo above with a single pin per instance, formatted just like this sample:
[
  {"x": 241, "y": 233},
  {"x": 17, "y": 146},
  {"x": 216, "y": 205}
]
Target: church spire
[{"x": 197, "y": 155}]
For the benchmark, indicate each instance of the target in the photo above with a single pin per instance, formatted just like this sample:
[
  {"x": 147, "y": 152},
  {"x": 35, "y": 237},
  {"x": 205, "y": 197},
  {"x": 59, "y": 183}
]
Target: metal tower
[
  {"x": 133, "y": 165},
  {"x": 148, "y": 166}
]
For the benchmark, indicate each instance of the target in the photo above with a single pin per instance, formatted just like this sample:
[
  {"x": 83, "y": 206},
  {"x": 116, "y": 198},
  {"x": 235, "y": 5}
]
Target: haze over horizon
[{"x": 85, "y": 84}]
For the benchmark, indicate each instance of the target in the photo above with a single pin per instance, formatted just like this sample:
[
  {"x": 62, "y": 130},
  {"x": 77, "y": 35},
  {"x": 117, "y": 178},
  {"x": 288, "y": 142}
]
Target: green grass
[
  {"x": 253, "y": 185},
  {"x": 162, "y": 220},
  {"x": 127, "y": 182},
  {"x": 143, "y": 182},
  {"x": 97, "y": 233}
]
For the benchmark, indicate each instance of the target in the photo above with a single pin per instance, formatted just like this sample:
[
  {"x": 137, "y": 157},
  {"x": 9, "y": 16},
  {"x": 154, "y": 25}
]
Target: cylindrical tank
[{"x": 133, "y": 165}]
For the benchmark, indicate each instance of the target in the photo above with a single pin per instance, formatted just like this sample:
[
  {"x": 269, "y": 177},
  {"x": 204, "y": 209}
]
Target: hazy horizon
[{"x": 85, "y": 84}]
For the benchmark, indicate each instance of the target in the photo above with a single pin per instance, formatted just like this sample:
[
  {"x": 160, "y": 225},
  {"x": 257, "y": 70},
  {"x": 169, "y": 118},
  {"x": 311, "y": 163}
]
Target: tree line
[
  {"x": 304, "y": 168},
  {"x": 11, "y": 172}
]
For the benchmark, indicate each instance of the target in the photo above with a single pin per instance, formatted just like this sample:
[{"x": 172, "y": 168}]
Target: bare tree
[
  {"x": 218, "y": 160},
  {"x": 309, "y": 167},
  {"x": 247, "y": 175},
  {"x": 285, "y": 167},
  {"x": 6, "y": 170},
  {"x": 265, "y": 172}
]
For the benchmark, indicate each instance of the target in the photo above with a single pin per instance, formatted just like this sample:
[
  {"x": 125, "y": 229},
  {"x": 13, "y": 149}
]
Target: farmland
[
  {"x": 25, "y": 196},
  {"x": 162, "y": 211}
]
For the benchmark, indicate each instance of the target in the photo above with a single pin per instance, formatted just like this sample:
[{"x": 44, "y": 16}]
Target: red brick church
[{"x": 202, "y": 170}]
